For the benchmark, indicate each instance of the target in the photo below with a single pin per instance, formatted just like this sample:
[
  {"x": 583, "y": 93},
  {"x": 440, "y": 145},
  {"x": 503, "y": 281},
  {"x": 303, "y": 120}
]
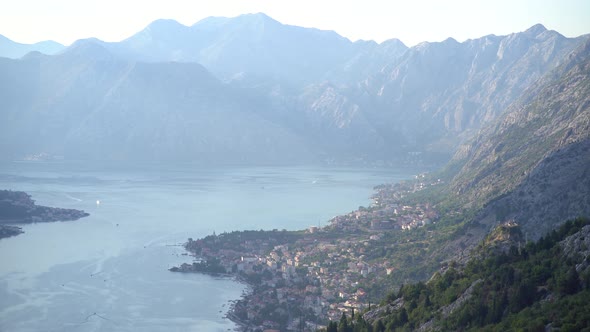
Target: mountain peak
[
  {"x": 535, "y": 30},
  {"x": 450, "y": 40},
  {"x": 214, "y": 22},
  {"x": 162, "y": 29},
  {"x": 164, "y": 22},
  {"x": 394, "y": 42},
  {"x": 164, "y": 26},
  {"x": 258, "y": 18},
  {"x": 91, "y": 48},
  {"x": 259, "y": 15}
]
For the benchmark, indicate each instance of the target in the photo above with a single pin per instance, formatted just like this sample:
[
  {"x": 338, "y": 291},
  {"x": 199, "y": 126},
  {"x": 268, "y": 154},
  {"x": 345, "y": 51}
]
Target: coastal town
[{"x": 302, "y": 280}]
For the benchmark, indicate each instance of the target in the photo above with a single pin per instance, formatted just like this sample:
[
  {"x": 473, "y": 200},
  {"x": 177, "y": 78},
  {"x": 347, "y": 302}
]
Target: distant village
[{"x": 300, "y": 280}]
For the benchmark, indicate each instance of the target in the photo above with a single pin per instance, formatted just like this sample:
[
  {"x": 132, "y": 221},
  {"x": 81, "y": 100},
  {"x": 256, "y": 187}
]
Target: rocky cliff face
[
  {"x": 533, "y": 165},
  {"x": 438, "y": 92},
  {"x": 434, "y": 95},
  {"x": 578, "y": 245}
]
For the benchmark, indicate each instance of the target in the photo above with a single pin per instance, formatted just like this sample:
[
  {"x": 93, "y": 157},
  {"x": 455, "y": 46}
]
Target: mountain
[
  {"x": 427, "y": 99},
  {"x": 87, "y": 103},
  {"x": 533, "y": 164},
  {"x": 519, "y": 179},
  {"x": 14, "y": 50},
  {"x": 436, "y": 94},
  {"x": 252, "y": 44},
  {"x": 173, "y": 92},
  {"x": 541, "y": 286}
]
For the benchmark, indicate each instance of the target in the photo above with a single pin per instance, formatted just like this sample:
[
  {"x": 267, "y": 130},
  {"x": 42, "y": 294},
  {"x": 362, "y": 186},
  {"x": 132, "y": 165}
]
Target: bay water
[{"x": 109, "y": 271}]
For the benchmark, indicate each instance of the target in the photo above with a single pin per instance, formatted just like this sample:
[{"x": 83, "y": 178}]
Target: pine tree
[
  {"x": 343, "y": 325},
  {"x": 332, "y": 327},
  {"x": 378, "y": 326}
]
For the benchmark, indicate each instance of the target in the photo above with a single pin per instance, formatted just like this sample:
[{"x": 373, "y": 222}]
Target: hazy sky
[{"x": 412, "y": 21}]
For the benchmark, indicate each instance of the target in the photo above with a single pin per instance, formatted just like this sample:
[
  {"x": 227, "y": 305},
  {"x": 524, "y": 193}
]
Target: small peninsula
[{"x": 17, "y": 207}]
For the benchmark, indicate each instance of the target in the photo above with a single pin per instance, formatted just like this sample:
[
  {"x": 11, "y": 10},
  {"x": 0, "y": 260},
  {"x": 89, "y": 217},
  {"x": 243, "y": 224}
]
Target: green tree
[
  {"x": 570, "y": 282},
  {"x": 403, "y": 317},
  {"x": 332, "y": 327},
  {"x": 343, "y": 324},
  {"x": 378, "y": 326}
]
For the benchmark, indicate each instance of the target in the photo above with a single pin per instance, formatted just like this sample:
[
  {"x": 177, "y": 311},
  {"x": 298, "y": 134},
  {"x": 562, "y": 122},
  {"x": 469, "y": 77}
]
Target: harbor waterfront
[
  {"x": 308, "y": 277},
  {"x": 109, "y": 271}
]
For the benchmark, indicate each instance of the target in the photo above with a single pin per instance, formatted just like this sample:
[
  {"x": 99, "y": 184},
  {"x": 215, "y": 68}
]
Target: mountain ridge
[
  {"x": 15, "y": 50},
  {"x": 372, "y": 103}
]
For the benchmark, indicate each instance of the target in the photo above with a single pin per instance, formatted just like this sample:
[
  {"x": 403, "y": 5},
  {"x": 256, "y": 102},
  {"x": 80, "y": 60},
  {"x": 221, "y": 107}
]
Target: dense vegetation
[{"x": 525, "y": 289}]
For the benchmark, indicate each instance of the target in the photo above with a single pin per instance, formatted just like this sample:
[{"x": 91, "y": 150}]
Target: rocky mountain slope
[
  {"x": 540, "y": 287},
  {"x": 436, "y": 94},
  {"x": 533, "y": 165}
]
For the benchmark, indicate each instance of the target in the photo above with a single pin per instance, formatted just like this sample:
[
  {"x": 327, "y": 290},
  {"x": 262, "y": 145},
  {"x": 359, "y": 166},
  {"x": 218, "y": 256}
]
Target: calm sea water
[{"x": 108, "y": 272}]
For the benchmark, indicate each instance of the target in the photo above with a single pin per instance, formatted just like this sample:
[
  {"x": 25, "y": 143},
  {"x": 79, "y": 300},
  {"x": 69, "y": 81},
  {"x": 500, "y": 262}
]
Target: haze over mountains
[
  {"x": 12, "y": 49},
  {"x": 252, "y": 90}
]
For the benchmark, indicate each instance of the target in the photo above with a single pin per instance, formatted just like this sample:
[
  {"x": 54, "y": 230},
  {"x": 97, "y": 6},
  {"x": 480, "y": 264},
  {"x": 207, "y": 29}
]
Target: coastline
[
  {"x": 17, "y": 207},
  {"x": 191, "y": 218},
  {"x": 230, "y": 314},
  {"x": 310, "y": 277}
]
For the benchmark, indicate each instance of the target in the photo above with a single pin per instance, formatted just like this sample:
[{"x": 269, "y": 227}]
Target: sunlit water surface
[{"x": 109, "y": 271}]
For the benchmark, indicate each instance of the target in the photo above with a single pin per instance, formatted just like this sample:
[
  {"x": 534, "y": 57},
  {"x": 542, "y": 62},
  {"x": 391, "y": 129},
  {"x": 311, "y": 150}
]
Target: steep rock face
[
  {"x": 367, "y": 59},
  {"x": 440, "y": 91},
  {"x": 338, "y": 123},
  {"x": 533, "y": 165},
  {"x": 434, "y": 95},
  {"x": 578, "y": 244}
]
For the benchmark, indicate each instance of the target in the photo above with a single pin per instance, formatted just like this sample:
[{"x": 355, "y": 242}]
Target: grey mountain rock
[
  {"x": 440, "y": 91},
  {"x": 533, "y": 164}
]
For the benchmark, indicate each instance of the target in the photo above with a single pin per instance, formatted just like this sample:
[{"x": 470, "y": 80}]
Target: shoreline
[
  {"x": 7, "y": 231},
  {"x": 309, "y": 277},
  {"x": 230, "y": 314},
  {"x": 18, "y": 208}
]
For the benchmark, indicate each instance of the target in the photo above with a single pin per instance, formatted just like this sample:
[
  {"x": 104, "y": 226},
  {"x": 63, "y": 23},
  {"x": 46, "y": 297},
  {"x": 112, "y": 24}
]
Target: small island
[{"x": 17, "y": 207}]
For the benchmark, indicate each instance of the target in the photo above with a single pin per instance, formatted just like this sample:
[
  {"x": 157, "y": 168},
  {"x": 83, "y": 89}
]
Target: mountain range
[{"x": 250, "y": 89}]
